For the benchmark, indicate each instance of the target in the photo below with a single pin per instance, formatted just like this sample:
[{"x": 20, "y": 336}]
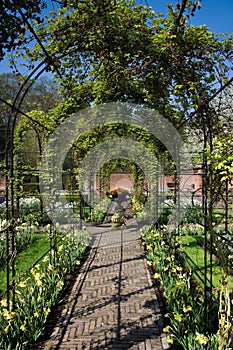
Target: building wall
[
  {"x": 188, "y": 182},
  {"x": 121, "y": 180}
]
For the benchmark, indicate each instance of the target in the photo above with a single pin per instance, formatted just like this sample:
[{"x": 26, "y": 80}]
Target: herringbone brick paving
[{"x": 113, "y": 303}]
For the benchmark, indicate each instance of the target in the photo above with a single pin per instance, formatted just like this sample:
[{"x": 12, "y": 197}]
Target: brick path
[{"x": 113, "y": 303}]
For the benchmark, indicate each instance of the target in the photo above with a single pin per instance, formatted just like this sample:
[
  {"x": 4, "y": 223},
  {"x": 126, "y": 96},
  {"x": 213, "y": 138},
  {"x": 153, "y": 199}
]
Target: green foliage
[
  {"x": 221, "y": 157},
  {"x": 12, "y": 27},
  {"x": 122, "y": 51}
]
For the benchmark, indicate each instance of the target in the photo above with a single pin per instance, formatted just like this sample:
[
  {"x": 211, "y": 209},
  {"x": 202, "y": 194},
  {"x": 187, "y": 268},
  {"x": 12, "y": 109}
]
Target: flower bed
[
  {"x": 29, "y": 209},
  {"x": 186, "y": 314},
  {"x": 37, "y": 291},
  {"x": 99, "y": 210}
]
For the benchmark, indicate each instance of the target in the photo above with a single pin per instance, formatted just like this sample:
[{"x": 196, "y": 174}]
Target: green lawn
[
  {"x": 196, "y": 256},
  {"x": 27, "y": 257}
]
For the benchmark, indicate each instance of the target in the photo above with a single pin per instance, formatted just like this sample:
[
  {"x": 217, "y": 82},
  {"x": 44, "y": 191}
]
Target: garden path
[{"x": 113, "y": 303}]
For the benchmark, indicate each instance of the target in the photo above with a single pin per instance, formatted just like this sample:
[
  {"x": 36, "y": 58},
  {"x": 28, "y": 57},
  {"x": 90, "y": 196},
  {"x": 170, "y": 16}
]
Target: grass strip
[
  {"x": 196, "y": 256},
  {"x": 26, "y": 258}
]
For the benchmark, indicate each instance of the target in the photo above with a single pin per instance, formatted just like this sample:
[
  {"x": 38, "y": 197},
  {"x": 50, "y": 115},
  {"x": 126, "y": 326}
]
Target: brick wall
[
  {"x": 121, "y": 180},
  {"x": 189, "y": 182}
]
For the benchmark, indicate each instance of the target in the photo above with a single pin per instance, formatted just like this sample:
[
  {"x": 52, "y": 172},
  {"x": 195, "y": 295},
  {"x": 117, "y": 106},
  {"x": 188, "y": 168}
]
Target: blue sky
[{"x": 216, "y": 14}]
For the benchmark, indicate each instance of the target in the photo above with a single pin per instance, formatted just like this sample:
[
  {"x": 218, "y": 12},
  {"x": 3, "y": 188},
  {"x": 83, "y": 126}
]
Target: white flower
[{"x": 3, "y": 224}]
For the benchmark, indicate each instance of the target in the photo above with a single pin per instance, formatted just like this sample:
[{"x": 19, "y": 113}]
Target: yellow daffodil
[
  {"x": 60, "y": 248},
  {"x": 39, "y": 283},
  {"x": 9, "y": 315},
  {"x": 37, "y": 276},
  {"x": 171, "y": 258},
  {"x": 149, "y": 263},
  {"x": 50, "y": 267},
  {"x": 169, "y": 339},
  {"x": 187, "y": 309},
  {"x": 203, "y": 340},
  {"x": 178, "y": 317},
  {"x": 36, "y": 314},
  {"x": 157, "y": 275},
  {"x": 5, "y": 313},
  {"x": 23, "y": 328},
  {"x": 22, "y": 284},
  {"x": 166, "y": 329},
  {"x": 180, "y": 284},
  {"x": 59, "y": 285},
  {"x": 46, "y": 311},
  {"x": 4, "y": 302},
  {"x": 6, "y": 330}
]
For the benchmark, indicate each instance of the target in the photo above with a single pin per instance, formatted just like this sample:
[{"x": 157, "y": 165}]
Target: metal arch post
[{"x": 10, "y": 192}]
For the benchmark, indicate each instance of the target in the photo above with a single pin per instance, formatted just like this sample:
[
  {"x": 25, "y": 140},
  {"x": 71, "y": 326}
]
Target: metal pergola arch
[{"x": 10, "y": 147}]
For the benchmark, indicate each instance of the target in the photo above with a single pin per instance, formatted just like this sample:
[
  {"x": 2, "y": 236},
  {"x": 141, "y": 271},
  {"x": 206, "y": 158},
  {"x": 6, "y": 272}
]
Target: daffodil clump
[
  {"x": 186, "y": 312},
  {"x": 36, "y": 292},
  {"x": 98, "y": 212}
]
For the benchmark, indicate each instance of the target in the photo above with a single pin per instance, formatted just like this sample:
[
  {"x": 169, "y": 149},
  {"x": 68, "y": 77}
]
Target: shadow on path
[{"x": 113, "y": 303}]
